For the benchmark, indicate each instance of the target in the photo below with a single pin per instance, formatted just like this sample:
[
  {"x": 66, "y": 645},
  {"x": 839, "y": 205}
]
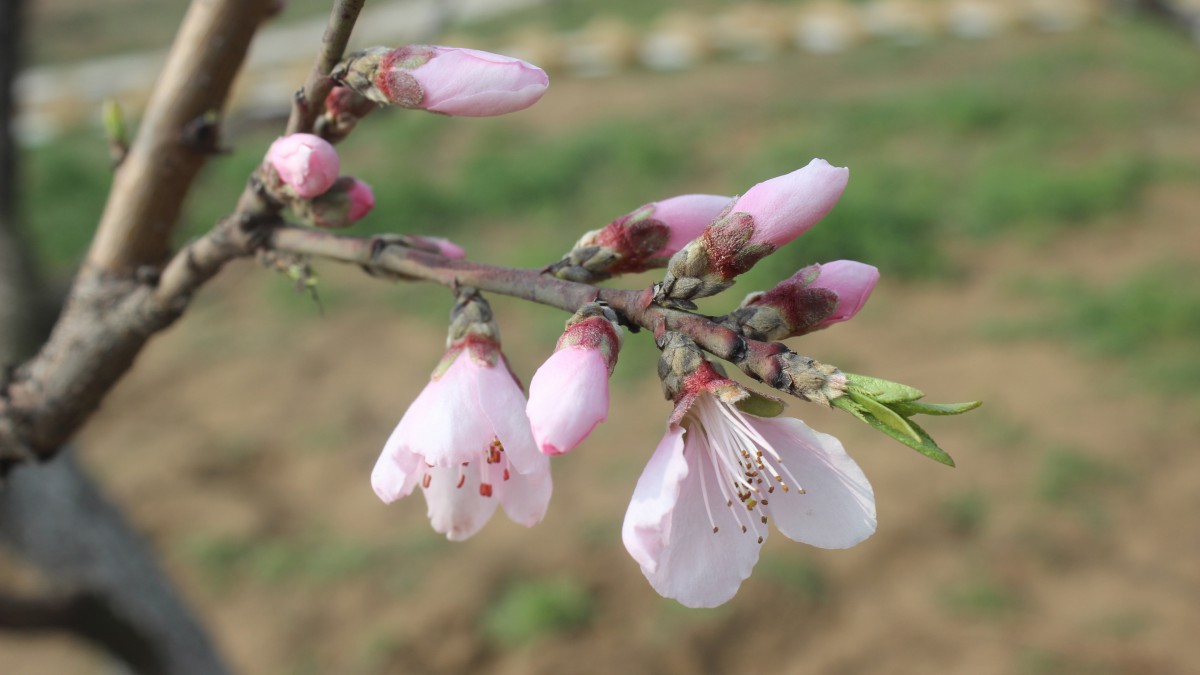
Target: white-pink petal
[
  {"x": 837, "y": 509},
  {"x": 446, "y": 425},
  {"x": 457, "y": 512},
  {"x": 503, "y": 405},
  {"x": 525, "y": 498},
  {"x": 395, "y": 473},
  {"x": 852, "y": 281},
  {"x": 669, "y": 527},
  {"x": 568, "y": 397}
]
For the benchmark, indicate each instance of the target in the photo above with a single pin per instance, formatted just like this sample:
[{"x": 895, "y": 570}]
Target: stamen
[
  {"x": 485, "y": 489},
  {"x": 427, "y": 480},
  {"x": 462, "y": 478}
]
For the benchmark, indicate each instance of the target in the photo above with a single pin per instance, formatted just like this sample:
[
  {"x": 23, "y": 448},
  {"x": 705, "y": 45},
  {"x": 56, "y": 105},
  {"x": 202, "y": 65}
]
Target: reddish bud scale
[
  {"x": 801, "y": 305},
  {"x": 727, "y": 244},
  {"x": 393, "y": 78},
  {"x": 637, "y": 242},
  {"x": 597, "y": 333}
]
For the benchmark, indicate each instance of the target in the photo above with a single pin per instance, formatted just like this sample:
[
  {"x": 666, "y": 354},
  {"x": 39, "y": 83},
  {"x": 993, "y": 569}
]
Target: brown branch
[
  {"x": 176, "y": 135},
  {"x": 310, "y": 99},
  {"x": 769, "y": 362}
]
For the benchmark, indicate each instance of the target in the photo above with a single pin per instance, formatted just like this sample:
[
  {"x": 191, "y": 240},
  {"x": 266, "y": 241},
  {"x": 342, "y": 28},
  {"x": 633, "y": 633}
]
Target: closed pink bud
[
  {"x": 362, "y": 200},
  {"x": 568, "y": 395},
  {"x": 447, "y": 248},
  {"x": 458, "y": 81},
  {"x": 852, "y": 282},
  {"x": 306, "y": 163},
  {"x": 785, "y": 207}
]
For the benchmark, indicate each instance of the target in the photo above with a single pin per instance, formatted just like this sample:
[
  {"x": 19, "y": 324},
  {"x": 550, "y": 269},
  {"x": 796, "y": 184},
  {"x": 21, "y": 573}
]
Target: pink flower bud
[
  {"x": 447, "y": 248},
  {"x": 306, "y": 163},
  {"x": 362, "y": 200},
  {"x": 783, "y": 208},
  {"x": 852, "y": 282},
  {"x": 458, "y": 81},
  {"x": 568, "y": 395}
]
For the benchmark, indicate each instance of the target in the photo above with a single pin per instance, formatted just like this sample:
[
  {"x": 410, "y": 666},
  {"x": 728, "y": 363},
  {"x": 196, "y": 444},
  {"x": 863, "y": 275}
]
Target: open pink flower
[
  {"x": 458, "y": 81},
  {"x": 785, "y": 207},
  {"x": 306, "y": 163},
  {"x": 700, "y": 510},
  {"x": 466, "y": 441},
  {"x": 568, "y": 395},
  {"x": 852, "y": 281}
]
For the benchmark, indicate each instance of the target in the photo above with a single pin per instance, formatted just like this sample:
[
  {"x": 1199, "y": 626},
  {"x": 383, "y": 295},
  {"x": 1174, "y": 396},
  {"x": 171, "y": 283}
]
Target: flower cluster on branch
[{"x": 728, "y": 464}]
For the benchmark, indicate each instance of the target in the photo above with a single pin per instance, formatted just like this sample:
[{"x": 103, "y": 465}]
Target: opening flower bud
[{"x": 307, "y": 164}]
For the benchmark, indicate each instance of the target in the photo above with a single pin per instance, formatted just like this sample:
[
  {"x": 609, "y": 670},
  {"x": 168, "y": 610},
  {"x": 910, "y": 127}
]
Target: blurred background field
[{"x": 1031, "y": 201}]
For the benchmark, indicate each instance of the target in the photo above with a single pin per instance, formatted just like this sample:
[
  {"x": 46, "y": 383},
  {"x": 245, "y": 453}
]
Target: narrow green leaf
[
  {"x": 926, "y": 445},
  {"x": 910, "y": 408},
  {"x": 884, "y": 391},
  {"x": 884, "y": 415}
]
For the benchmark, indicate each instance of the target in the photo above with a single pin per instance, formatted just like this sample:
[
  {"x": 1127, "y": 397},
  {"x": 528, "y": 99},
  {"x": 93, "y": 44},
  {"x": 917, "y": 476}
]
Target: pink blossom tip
[
  {"x": 785, "y": 207},
  {"x": 306, "y": 163},
  {"x": 459, "y": 81},
  {"x": 852, "y": 282}
]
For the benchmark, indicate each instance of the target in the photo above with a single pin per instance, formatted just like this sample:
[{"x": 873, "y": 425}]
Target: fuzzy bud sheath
[
  {"x": 769, "y": 215},
  {"x": 300, "y": 165},
  {"x": 816, "y": 297},
  {"x": 465, "y": 439},
  {"x": 568, "y": 395},
  {"x": 448, "y": 80},
  {"x": 342, "y": 205},
  {"x": 641, "y": 240}
]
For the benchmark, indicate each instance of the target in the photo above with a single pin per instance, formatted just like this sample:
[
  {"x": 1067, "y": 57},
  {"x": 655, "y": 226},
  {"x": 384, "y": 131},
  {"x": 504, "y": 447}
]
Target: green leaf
[
  {"x": 760, "y": 406},
  {"x": 910, "y": 408},
  {"x": 884, "y": 415},
  {"x": 884, "y": 391},
  {"x": 922, "y": 442}
]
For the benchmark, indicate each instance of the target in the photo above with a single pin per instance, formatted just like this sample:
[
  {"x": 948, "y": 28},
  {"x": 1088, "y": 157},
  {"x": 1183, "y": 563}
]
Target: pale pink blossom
[
  {"x": 785, "y": 207},
  {"x": 458, "y": 81},
  {"x": 852, "y": 281},
  {"x": 700, "y": 509},
  {"x": 466, "y": 441},
  {"x": 306, "y": 163},
  {"x": 568, "y": 395}
]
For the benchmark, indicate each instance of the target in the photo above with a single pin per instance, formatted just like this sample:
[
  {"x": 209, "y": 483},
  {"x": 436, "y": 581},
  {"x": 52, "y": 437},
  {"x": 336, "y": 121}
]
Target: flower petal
[
  {"x": 395, "y": 473},
  {"x": 445, "y": 425},
  {"x": 457, "y": 512},
  {"x": 503, "y": 404},
  {"x": 837, "y": 509},
  {"x": 525, "y": 498},
  {"x": 568, "y": 397},
  {"x": 669, "y": 527}
]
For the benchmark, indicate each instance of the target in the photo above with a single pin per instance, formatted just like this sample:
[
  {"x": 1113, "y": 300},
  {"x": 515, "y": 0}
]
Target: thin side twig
[{"x": 310, "y": 98}]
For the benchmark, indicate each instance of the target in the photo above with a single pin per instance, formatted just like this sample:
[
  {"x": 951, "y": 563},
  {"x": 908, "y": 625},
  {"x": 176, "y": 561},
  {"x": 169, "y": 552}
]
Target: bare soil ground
[{"x": 1064, "y": 542}]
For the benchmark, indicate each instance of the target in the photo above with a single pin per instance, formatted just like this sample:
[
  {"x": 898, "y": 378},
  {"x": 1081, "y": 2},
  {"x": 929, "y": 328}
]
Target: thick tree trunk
[{"x": 108, "y": 589}]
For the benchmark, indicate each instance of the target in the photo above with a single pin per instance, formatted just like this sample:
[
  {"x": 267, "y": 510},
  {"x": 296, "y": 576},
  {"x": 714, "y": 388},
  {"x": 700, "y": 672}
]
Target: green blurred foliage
[{"x": 529, "y": 610}]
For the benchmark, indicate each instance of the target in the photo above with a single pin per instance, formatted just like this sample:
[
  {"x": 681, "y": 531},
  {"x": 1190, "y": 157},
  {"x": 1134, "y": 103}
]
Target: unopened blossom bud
[
  {"x": 768, "y": 216},
  {"x": 641, "y": 240},
  {"x": 340, "y": 206},
  {"x": 306, "y": 164},
  {"x": 449, "y": 80},
  {"x": 813, "y": 298},
  {"x": 344, "y": 107},
  {"x": 568, "y": 395},
  {"x": 438, "y": 245}
]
